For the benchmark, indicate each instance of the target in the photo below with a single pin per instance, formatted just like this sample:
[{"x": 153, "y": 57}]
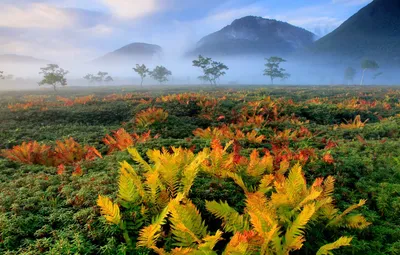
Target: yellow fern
[
  {"x": 294, "y": 236},
  {"x": 326, "y": 249},
  {"x": 109, "y": 210}
]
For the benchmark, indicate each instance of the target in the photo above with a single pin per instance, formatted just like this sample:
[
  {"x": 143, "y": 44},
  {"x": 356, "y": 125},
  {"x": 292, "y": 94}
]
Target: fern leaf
[
  {"x": 109, "y": 210},
  {"x": 149, "y": 235},
  {"x": 128, "y": 172},
  {"x": 266, "y": 183},
  {"x": 232, "y": 220},
  {"x": 326, "y": 249},
  {"x": 187, "y": 226},
  {"x": 209, "y": 241},
  {"x": 138, "y": 159},
  {"x": 294, "y": 235},
  {"x": 337, "y": 220}
]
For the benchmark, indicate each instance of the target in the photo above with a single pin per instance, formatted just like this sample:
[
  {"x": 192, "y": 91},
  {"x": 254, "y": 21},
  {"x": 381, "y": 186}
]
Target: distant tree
[
  {"x": 160, "y": 74},
  {"x": 108, "y": 79},
  {"x": 54, "y": 76},
  {"x": 89, "y": 77},
  {"x": 1, "y": 75},
  {"x": 212, "y": 70},
  {"x": 273, "y": 69},
  {"x": 349, "y": 75},
  {"x": 377, "y": 75},
  {"x": 9, "y": 77},
  {"x": 368, "y": 64},
  {"x": 142, "y": 70},
  {"x": 101, "y": 76}
]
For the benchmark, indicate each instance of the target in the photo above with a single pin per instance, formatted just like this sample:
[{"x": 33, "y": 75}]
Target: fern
[
  {"x": 187, "y": 226},
  {"x": 109, "y": 210},
  {"x": 326, "y": 249},
  {"x": 294, "y": 236},
  {"x": 232, "y": 220}
]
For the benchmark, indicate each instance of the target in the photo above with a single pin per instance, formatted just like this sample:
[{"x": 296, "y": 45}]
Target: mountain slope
[
  {"x": 131, "y": 53},
  {"x": 254, "y": 36},
  {"x": 372, "y": 32},
  {"x": 16, "y": 59}
]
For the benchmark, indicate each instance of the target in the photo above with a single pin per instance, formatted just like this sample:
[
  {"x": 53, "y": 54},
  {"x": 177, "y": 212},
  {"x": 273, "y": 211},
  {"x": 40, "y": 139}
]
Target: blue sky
[{"x": 85, "y": 29}]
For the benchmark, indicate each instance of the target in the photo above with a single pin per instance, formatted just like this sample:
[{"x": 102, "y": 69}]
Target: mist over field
[{"x": 113, "y": 39}]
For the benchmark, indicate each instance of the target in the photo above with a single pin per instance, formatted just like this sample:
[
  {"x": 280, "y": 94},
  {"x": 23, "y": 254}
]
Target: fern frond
[
  {"x": 326, "y": 249},
  {"x": 337, "y": 220},
  {"x": 294, "y": 236},
  {"x": 232, "y": 220},
  {"x": 329, "y": 186},
  {"x": 209, "y": 241},
  {"x": 109, "y": 210},
  {"x": 188, "y": 227},
  {"x": 128, "y": 172},
  {"x": 295, "y": 184},
  {"x": 356, "y": 221},
  {"x": 126, "y": 188},
  {"x": 239, "y": 181},
  {"x": 266, "y": 183},
  {"x": 190, "y": 172},
  {"x": 138, "y": 159},
  {"x": 149, "y": 235},
  {"x": 262, "y": 218}
]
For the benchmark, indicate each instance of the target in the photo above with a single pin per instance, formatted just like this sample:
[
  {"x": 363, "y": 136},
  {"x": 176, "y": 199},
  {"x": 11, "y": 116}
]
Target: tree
[
  {"x": 101, "y": 76},
  {"x": 160, "y": 74},
  {"x": 368, "y": 64},
  {"x": 89, "y": 78},
  {"x": 142, "y": 70},
  {"x": 1, "y": 75},
  {"x": 274, "y": 70},
  {"x": 108, "y": 79},
  {"x": 349, "y": 75},
  {"x": 212, "y": 70},
  {"x": 54, "y": 76},
  {"x": 377, "y": 75}
]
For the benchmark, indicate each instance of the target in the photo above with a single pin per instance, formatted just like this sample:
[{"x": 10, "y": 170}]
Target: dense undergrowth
[{"x": 349, "y": 133}]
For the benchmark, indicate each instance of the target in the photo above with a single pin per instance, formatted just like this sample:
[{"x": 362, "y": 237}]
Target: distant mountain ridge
[
  {"x": 13, "y": 59},
  {"x": 254, "y": 35},
  {"x": 132, "y": 52},
  {"x": 373, "y": 32}
]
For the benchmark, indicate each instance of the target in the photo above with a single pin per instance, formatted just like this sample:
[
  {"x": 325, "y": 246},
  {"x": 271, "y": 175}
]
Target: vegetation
[
  {"x": 273, "y": 69},
  {"x": 160, "y": 74},
  {"x": 54, "y": 76},
  {"x": 368, "y": 64},
  {"x": 249, "y": 170},
  {"x": 99, "y": 78},
  {"x": 142, "y": 70},
  {"x": 212, "y": 70}
]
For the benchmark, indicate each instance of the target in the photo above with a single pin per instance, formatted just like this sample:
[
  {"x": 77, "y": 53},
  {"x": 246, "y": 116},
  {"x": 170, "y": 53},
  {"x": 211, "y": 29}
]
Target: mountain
[
  {"x": 254, "y": 36},
  {"x": 373, "y": 32},
  {"x": 132, "y": 53},
  {"x": 16, "y": 59}
]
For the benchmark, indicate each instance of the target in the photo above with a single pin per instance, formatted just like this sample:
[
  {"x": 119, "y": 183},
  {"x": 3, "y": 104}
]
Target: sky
[{"x": 81, "y": 30}]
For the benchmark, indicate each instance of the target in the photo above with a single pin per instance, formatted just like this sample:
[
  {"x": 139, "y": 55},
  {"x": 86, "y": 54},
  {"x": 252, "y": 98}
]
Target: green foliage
[
  {"x": 273, "y": 69},
  {"x": 212, "y": 70},
  {"x": 142, "y": 70},
  {"x": 42, "y": 212},
  {"x": 160, "y": 74},
  {"x": 54, "y": 76}
]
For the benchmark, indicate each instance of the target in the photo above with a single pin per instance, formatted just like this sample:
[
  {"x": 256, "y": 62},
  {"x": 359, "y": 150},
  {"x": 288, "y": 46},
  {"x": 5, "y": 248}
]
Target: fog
[{"x": 243, "y": 70}]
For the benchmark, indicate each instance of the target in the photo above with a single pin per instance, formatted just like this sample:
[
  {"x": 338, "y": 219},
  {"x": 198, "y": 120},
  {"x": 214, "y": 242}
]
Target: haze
[{"x": 75, "y": 33}]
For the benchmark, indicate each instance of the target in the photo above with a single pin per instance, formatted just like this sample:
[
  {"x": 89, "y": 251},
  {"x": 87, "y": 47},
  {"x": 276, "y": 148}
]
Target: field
[{"x": 200, "y": 170}]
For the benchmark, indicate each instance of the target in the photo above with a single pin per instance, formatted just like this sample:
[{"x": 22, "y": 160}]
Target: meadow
[{"x": 201, "y": 170}]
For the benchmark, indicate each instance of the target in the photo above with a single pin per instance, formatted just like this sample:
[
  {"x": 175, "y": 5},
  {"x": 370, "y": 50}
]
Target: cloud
[
  {"x": 34, "y": 16},
  {"x": 130, "y": 9}
]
